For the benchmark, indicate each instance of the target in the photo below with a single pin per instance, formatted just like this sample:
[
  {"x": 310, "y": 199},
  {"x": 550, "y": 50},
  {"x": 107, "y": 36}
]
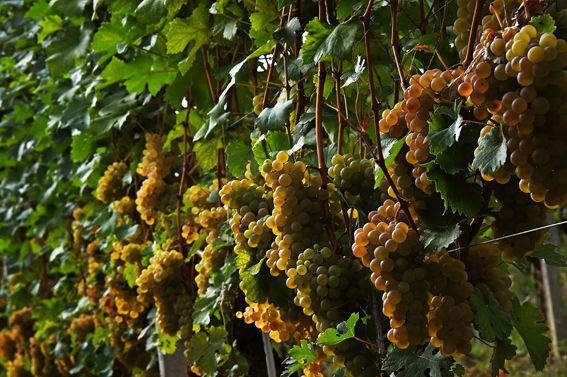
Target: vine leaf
[
  {"x": 390, "y": 147},
  {"x": 275, "y": 141},
  {"x": 441, "y": 137},
  {"x": 288, "y": 32},
  {"x": 324, "y": 42},
  {"x": 352, "y": 77},
  {"x": 203, "y": 349},
  {"x": 406, "y": 363},
  {"x": 150, "y": 11},
  {"x": 492, "y": 321},
  {"x": 344, "y": 331},
  {"x": 550, "y": 254},
  {"x": 298, "y": 357},
  {"x": 504, "y": 350},
  {"x": 217, "y": 116},
  {"x": 543, "y": 23},
  {"x": 238, "y": 155},
  {"x": 275, "y": 118},
  {"x": 460, "y": 196},
  {"x": 437, "y": 238},
  {"x": 492, "y": 152},
  {"x": 531, "y": 326}
]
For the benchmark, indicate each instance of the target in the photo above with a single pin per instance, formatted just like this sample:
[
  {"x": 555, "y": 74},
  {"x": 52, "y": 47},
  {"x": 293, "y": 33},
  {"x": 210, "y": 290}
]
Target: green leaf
[
  {"x": 206, "y": 152},
  {"x": 71, "y": 43},
  {"x": 204, "y": 306},
  {"x": 441, "y": 137},
  {"x": 549, "y": 253},
  {"x": 491, "y": 153},
  {"x": 262, "y": 25},
  {"x": 288, "y": 33},
  {"x": 204, "y": 348},
  {"x": 265, "y": 145},
  {"x": 437, "y": 238},
  {"x": 492, "y": 321},
  {"x": 82, "y": 146},
  {"x": 352, "y": 77},
  {"x": 49, "y": 25},
  {"x": 38, "y": 10},
  {"x": 275, "y": 118},
  {"x": 166, "y": 343},
  {"x": 298, "y": 357},
  {"x": 344, "y": 331},
  {"x": 107, "y": 38},
  {"x": 238, "y": 155},
  {"x": 130, "y": 274},
  {"x": 150, "y": 11},
  {"x": 544, "y": 23},
  {"x": 503, "y": 351},
  {"x": 390, "y": 147},
  {"x": 460, "y": 196},
  {"x": 458, "y": 370},
  {"x": 531, "y": 326},
  {"x": 218, "y": 116},
  {"x": 195, "y": 28},
  {"x": 406, "y": 363},
  {"x": 324, "y": 42}
]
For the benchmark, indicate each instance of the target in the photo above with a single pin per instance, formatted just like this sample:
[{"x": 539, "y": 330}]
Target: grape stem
[
  {"x": 186, "y": 270},
  {"x": 321, "y": 75},
  {"x": 404, "y": 204},
  {"x": 474, "y": 29},
  {"x": 209, "y": 76},
  {"x": 395, "y": 38},
  {"x": 337, "y": 75}
]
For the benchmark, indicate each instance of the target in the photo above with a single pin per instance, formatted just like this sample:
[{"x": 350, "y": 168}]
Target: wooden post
[
  {"x": 270, "y": 362},
  {"x": 172, "y": 365},
  {"x": 552, "y": 293}
]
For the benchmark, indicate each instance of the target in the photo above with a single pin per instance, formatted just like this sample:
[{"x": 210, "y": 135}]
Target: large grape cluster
[
  {"x": 517, "y": 213},
  {"x": 155, "y": 166},
  {"x": 110, "y": 184},
  {"x": 522, "y": 74},
  {"x": 162, "y": 281},
  {"x": 391, "y": 249},
  {"x": 450, "y": 315}
]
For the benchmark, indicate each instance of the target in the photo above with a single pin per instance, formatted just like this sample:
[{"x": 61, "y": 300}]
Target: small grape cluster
[
  {"x": 110, "y": 184},
  {"x": 195, "y": 198},
  {"x": 484, "y": 274},
  {"x": 321, "y": 280},
  {"x": 162, "y": 281},
  {"x": 517, "y": 213},
  {"x": 268, "y": 318},
  {"x": 124, "y": 206},
  {"x": 212, "y": 257},
  {"x": 450, "y": 316},
  {"x": 155, "y": 166},
  {"x": 391, "y": 249},
  {"x": 82, "y": 326}
]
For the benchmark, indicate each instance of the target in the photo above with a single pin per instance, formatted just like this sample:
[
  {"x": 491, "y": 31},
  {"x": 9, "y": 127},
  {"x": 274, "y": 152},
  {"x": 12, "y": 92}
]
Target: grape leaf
[
  {"x": 441, "y": 137},
  {"x": 406, "y": 363},
  {"x": 344, "y": 331},
  {"x": 150, "y": 11},
  {"x": 323, "y": 42},
  {"x": 460, "y": 196},
  {"x": 288, "y": 32},
  {"x": 206, "y": 152},
  {"x": 491, "y": 152},
  {"x": 437, "y": 238},
  {"x": 390, "y": 147},
  {"x": 492, "y": 321},
  {"x": 549, "y": 253},
  {"x": 203, "y": 349},
  {"x": 298, "y": 357},
  {"x": 238, "y": 155},
  {"x": 543, "y": 23},
  {"x": 531, "y": 326},
  {"x": 275, "y": 118},
  {"x": 503, "y": 351},
  {"x": 352, "y": 77},
  {"x": 217, "y": 117},
  {"x": 267, "y": 144}
]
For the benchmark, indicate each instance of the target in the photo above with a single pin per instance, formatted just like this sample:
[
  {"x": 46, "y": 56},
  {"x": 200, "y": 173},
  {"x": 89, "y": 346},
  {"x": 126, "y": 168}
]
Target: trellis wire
[{"x": 510, "y": 236}]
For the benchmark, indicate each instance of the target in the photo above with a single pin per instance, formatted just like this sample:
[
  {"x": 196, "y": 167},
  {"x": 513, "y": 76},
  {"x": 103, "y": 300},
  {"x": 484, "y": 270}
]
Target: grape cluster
[
  {"x": 393, "y": 122},
  {"x": 484, "y": 273},
  {"x": 126, "y": 306},
  {"x": 82, "y": 326},
  {"x": 353, "y": 356},
  {"x": 155, "y": 166},
  {"x": 322, "y": 280},
  {"x": 296, "y": 218},
  {"x": 517, "y": 213},
  {"x": 523, "y": 71},
  {"x": 162, "y": 281},
  {"x": 450, "y": 315},
  {"x": 391, "y": 249},
  {"x": 212, "y": 257},
  {"x": 110, "y": 184},
  {"x": 355, "y": 178},
  {"x": 130, "y": 351},
  {"x": 42, "y": 360},
  {"x": 268, "y": 318},
  {"x": 124, "y": 206}
]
